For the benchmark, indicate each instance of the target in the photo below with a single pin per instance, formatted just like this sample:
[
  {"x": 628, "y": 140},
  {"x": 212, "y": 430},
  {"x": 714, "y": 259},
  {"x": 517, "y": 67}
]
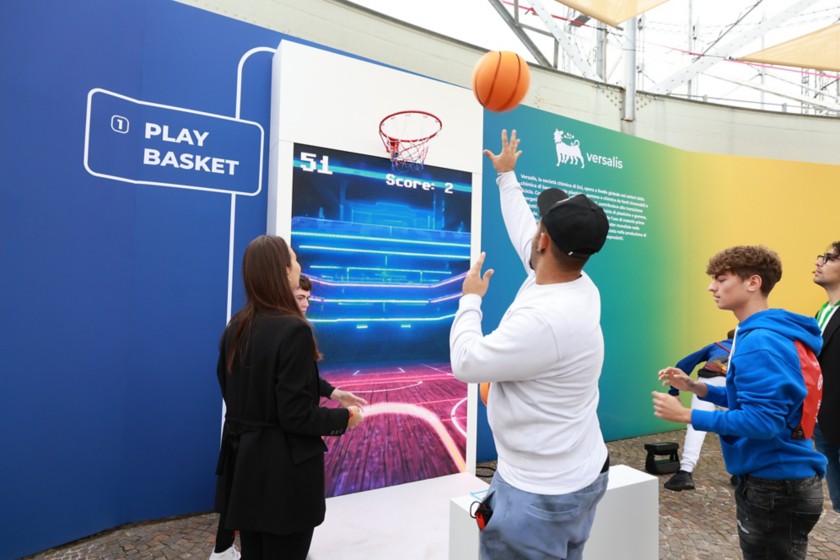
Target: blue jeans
[
  {"x": 832, "y": 472},
  {"x": 528, "y": 526},
  {"x": 775, "y": 516}
]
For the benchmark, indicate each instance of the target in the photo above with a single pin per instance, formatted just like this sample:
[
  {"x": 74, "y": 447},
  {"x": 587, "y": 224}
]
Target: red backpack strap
[
  {"x": 812, "y": 375},
  {"x": 724, "y": 347}
]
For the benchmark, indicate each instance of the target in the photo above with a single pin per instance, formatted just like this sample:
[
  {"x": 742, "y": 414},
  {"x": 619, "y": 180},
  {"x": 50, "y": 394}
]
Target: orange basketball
[{"x": 500, "y": 80}]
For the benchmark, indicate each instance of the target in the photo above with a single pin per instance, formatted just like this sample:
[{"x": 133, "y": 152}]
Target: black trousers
[
  {"x": 224, "y": 537},
  {"x": 266, "y": 546}
]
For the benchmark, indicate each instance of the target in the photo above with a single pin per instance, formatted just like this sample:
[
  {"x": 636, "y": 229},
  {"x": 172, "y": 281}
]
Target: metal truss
[
  {"x": 593, "y": 65},
  {"x": 551, "y": 29},
  {"x": 805, "y": 101},
  {"x": 726, "y": 49}
]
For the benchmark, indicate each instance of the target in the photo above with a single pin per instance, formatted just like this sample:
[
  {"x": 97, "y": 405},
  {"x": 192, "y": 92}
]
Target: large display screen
[{"x": 386, "y": 250}]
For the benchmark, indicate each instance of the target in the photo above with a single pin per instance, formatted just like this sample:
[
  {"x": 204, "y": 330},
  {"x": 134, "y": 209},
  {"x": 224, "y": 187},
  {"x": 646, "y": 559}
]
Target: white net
[{"x": 406, "y": 136}]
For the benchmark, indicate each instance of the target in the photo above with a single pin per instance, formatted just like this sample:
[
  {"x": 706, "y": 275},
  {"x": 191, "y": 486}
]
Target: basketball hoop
[{"x": 406, "y": 136}]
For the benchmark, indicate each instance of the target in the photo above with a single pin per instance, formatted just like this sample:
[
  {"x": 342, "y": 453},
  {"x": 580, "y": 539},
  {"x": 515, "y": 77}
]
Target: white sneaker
[{"x": 229, "y": 554}]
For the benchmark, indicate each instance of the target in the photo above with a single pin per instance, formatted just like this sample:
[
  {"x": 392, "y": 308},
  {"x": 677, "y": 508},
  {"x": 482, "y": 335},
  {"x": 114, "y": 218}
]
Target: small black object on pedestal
[{"x": 662, "y": 466}]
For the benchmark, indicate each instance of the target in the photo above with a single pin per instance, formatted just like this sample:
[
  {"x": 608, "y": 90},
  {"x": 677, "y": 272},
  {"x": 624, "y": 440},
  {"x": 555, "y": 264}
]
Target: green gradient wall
[{"x": 655, "y": 307}]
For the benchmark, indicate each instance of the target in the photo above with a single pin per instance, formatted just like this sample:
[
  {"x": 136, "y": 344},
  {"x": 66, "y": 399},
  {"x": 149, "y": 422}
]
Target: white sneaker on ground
[{"x": 229, "y": 554}]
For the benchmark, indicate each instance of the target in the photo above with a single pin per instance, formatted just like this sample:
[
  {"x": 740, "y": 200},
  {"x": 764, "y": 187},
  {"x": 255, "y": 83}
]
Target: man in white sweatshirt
[{"x": 544, "y": 361}]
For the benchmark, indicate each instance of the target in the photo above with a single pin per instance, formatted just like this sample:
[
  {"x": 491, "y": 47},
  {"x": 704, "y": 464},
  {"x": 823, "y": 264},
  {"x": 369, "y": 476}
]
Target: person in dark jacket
[
  {"x": 779, "y": 497},
  {"x": 827, "y": 432},
  {"x": 224, "y": 548},
  {"x": 271, "y": 464}
]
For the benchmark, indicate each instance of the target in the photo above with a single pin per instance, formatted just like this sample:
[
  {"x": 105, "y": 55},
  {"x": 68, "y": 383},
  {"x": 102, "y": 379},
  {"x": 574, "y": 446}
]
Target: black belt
[
  {"x": 238, "y": 426},
  {"x": 606, "y": 466},
  {"x": 780, "y": 483}
]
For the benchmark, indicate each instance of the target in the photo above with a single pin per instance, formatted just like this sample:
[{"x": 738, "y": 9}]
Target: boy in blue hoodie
[{"x": 779, "y": 497}]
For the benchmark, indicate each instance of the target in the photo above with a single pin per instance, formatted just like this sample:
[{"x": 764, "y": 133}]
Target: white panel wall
[{"x": 682, "y": 124}]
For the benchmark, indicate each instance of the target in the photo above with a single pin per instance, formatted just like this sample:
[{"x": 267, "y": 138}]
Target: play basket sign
[{"x": 152, "y": 144}]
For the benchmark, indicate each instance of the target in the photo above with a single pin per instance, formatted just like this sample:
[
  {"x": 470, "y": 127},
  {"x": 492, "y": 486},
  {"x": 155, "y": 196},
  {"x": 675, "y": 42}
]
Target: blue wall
[{"x": 114, "y": 294}]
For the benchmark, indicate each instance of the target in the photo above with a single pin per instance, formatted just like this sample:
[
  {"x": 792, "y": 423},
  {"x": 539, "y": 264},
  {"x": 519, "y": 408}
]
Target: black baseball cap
[{"x": 576, "y": 224}]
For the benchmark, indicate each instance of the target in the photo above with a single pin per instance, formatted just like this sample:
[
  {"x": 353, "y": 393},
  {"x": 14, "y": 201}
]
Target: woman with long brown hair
[{"x": 271, "y": 465}]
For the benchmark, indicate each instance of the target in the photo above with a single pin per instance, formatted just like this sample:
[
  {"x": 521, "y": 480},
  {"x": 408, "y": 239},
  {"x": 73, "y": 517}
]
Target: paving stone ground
[{"x": 697, "y": 524}]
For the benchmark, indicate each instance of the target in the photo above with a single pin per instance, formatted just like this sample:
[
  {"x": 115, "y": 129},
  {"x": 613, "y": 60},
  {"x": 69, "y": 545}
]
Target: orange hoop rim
[{"x": 410, "y": 112}]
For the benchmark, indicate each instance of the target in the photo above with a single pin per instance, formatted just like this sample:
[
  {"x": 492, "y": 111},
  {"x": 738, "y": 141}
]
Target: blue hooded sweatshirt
[{"x": 764, "y": 394}]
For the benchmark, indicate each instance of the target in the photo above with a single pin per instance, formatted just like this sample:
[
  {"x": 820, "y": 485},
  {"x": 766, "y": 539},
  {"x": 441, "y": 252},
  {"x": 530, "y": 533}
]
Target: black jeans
[{"x": 775, "y": 516}]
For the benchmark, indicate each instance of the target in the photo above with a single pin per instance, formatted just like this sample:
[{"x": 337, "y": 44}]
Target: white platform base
[
  {"x": 626, "y": 522},
  {"x": 429, "y": 520},
  {"x": 405, "y": 522}
]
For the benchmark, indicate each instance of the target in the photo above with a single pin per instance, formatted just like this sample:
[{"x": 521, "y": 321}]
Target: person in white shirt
[{"x": 544, "y": 361}]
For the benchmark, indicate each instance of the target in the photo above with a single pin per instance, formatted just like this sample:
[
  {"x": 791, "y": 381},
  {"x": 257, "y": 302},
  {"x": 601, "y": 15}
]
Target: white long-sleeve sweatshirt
[{"x": 544, "y": 360}]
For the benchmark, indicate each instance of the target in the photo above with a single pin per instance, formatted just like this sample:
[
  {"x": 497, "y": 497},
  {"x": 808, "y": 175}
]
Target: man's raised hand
[{"x": 506, "y": 159}]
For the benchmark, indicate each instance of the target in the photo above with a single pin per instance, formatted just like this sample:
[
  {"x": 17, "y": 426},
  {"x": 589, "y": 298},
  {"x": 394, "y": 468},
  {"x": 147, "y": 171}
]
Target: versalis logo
[
  {"x": 568, "y": 148},
  {"x": 569, "y": 152}
]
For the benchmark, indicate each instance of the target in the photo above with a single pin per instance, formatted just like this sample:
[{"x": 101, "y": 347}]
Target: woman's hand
[
  {"x": 347, "y": 399},
  {"x": 356, "y": 417}
]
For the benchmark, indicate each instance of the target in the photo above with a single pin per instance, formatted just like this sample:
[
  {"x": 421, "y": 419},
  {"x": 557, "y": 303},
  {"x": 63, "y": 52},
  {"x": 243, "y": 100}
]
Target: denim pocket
[
  {"x": 758, "y": 498},
  {"x": 554, "y": 511}
]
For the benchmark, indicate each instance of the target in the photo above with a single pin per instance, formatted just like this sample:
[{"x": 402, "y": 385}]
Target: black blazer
[
  {"x": 829, "y": 416},
  {"x": 271, "y": 465}
]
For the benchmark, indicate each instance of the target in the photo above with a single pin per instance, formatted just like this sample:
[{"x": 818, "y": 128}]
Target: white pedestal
[
  {"x": 626, "y": 521},
  {"x": 463, "y": 531},
  {"x": 405, "y": 522}
]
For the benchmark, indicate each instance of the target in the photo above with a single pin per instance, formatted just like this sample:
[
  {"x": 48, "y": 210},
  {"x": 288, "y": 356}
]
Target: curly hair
[{"x": 748, "y": 260}]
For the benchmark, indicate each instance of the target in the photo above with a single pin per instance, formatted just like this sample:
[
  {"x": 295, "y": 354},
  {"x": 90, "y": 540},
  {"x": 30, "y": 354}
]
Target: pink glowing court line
[
  {"x": 408, "y": 375},
  {"x": 390, "y": 388},
  {"x": 425, "y": 403},
  {"x": 427, "y": 416},
  {"x": 419, "y": 368},
  {"x": 454, "y": 417},
  {"x": 433, "y": 368},
  {"x": 357, "y": 382},
  {"x": 386, "y": 372}
]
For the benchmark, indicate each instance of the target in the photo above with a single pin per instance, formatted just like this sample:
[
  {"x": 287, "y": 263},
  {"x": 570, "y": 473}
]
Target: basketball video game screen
[{"x": 386, "y": 251}]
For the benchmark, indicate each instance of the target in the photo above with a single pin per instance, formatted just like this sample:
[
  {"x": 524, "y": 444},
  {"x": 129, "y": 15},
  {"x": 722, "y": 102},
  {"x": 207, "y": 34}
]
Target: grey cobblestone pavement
[{"x": 697, "y": 524}]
